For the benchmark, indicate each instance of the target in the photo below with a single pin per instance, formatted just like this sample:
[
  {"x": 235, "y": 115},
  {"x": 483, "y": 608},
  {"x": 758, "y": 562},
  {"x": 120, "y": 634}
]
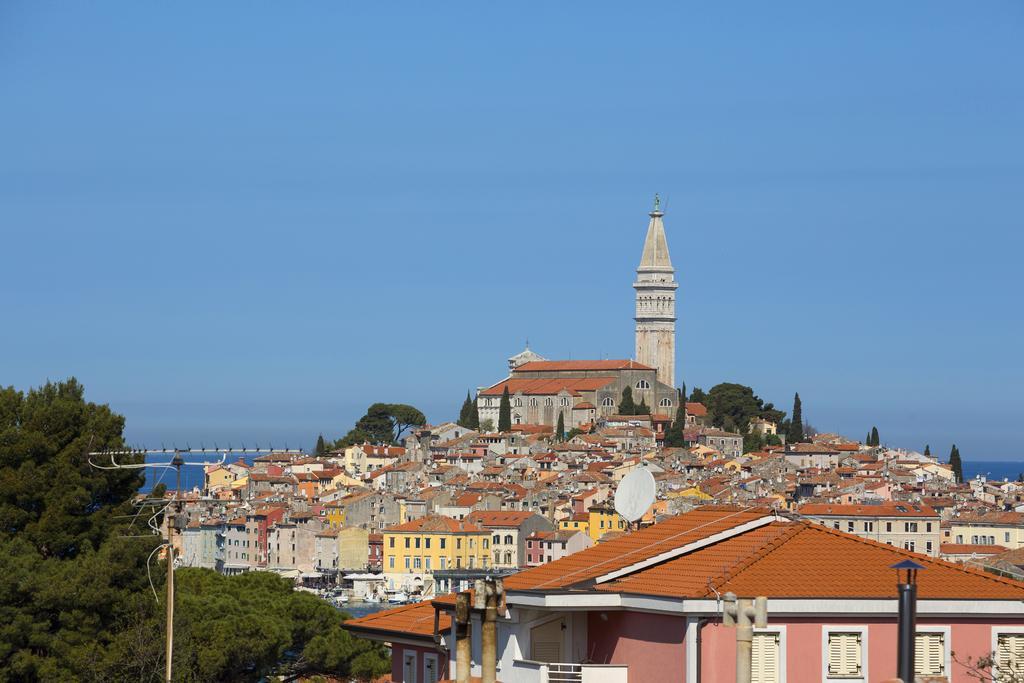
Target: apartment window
[
  {"x": 910, "y": 527},
  {"x": 928, "y": 547},
  {"x": 496, "y": 539},
  {"x": 407, "y": 541},
  {"x": 430, "y": 668},
  {"x": 928, "y": 527},
  {"x": 391, "y": 562},
  {"x": 869, "y": 526},
  {"x": 844, "y": 653},
  {"x": 1009, "y": 654},
  {"x": 930, "y": 657},
  {"x": 486, "y": 542},
  {"x": 392, "y": 542},
  {"x": 849, "y": 527},
  {"x": 417, "y": 563},
  {"x": 835, "y": 525},
  {"x": 974, "y": 540},
  {"x": 409, "y": 666},
  {"x": 888, "y": 526},
  {"x": 1006, "y": 537},
  {"x": 508, "y": 539},
  {"x": 426, "y": 543},
  {"x": 765, "y": 658},
  {"x": 444, "y": 563},
  {"x": 417, "y": 541},
  {"x": 458, "y": 544},
  {"x": 908, "y": 545}
]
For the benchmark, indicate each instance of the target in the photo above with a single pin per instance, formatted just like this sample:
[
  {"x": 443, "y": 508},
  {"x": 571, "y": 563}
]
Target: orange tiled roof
[
  {"x": 415, "y": 619},
  {"x": 548, "y": 387},
  {"x": 436, "y": 523},
  {"x": 580, "y": 365},
  {"x": 509, "y": 518},
  {"x": 630, "y": 548},
  {"x": 881, "y": 510}
]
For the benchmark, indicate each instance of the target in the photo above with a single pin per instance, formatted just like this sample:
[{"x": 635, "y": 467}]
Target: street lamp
[{"x": 906, "y": 587}]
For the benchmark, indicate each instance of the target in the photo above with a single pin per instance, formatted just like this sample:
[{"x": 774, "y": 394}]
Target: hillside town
[{"x": 522, "y": 487}]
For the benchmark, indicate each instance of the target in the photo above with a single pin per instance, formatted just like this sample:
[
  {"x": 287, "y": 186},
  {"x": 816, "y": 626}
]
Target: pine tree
[
  {"x": 321, "y": 447},
  {"x": 560, "y": 427},
  {"x": 874, "y": 437},
  {"x": 626, "y": 405},
  {"x": 927, "y": 449},
  {"x": 956, "y": 464},
  {"x": 505, "y": 412},
  {"x": 466, "y": 413},
  {"x": 795, "y": 434}
]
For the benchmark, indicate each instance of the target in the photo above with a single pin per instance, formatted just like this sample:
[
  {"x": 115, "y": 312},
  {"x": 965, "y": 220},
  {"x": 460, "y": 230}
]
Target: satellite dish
[{"x": 635, "y": 494}]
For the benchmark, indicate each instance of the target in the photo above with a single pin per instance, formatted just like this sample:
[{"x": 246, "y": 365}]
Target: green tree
[
  {"x": 956, "y": 464},
  {"x": 753, "y": 442},
  {"x": 466, "y": 413},
  {"x": 927, "y": 449},
  {"x": 875, "y": 441},
  {"x": 698, "y": 396},
  {"x": 560, "y": 427},
  {"x": 626, "y": 405},
  {"x": 642, "y": 408},
  {"x": 321, "y": 445},
  {"x": 795, "y": 434},
  {"x": 474, "y": 416},
  {"x": 675, "y": 436},
  {"x": 505, "y": 412},
  {"x": 383, "y": 423}
]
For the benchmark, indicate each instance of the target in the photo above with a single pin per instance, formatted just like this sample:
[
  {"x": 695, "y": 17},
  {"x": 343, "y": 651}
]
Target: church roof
[
  {"x": 580, "y": 365},
  {"x": 548, "y": 387},
  {"x": 655, "y": 254}
]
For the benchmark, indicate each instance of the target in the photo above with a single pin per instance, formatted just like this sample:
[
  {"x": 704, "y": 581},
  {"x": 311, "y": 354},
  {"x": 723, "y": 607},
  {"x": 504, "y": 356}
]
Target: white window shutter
[
  {"x": 1009, "y": 655},
  {"x": 929, "y": 654},
  {"x": 765, "y": 655},
  {"x": 844, "y": 654}
]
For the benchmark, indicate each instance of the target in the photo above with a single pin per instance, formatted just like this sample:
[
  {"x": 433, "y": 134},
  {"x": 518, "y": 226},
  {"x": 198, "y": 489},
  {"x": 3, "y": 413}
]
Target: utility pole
[
  {"x": 174, "y": 518},
  {"x": 744, "y": 617}
]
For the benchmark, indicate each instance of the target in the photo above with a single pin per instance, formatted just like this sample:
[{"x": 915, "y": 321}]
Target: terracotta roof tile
[
  {"x": 414, "y": 619},
  {"x": 580, "y": 365}
]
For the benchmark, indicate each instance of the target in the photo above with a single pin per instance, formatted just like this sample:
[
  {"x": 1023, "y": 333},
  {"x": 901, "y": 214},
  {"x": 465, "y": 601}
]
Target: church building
[{"x": 583, "y": 391}]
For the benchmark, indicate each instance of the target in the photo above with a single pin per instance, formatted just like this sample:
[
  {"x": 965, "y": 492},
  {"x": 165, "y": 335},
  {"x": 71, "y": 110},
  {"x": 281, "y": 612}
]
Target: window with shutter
[
  {"x": 765, "y": 657},
  {"x": 1009, "y": 656},
  {"x": 929, "y": 654},
  {"x": 844, "y": 655}
]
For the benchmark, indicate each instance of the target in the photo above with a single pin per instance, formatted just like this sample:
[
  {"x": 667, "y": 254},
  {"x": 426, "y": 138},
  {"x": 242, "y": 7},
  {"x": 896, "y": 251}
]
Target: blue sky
[{"x": 244, "y": 222}]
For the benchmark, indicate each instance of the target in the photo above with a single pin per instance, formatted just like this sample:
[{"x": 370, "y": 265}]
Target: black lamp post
[{"x": 906, "y": 587}]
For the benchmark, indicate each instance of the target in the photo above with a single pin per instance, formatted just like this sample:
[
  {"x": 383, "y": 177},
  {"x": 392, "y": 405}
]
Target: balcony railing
[{"x": 529, "y": 671}]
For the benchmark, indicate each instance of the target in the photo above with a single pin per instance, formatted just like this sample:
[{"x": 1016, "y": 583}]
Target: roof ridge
[{"x": 757, "y": 554}]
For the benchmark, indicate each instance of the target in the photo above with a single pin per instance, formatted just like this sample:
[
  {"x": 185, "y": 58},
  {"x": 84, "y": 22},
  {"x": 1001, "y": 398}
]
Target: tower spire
[{"x": 656, "y": 301}]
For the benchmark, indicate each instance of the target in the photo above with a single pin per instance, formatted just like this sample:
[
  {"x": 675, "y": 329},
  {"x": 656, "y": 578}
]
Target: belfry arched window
[
  {"x": 607, "y": 402},
  {"x": 643, "y": 384}
]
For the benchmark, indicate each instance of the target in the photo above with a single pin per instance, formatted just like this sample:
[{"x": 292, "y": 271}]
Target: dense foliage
[
  {"x": 239, "y": 628},
  {"x": 383, "y": 423},
  {"x": 75, "y": 597},
  {"x": 732, "y": 407},
  {"x": 469, "y": 417},
  {"x": 505, "y": 412},
  {"x": 675, "y": 434}
]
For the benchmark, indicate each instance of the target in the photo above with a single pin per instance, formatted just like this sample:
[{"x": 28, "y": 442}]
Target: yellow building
[
  {"x": 992, "y": 528},
  {"x": 603, "y": 519},
  {"x": 578, "y": 522},
  {"x": 334, "y": 515},
  {"x": 218, "y": 477},
  {"x": 413, "y": 550},
  {"x": 692, "y": 492},
  {"x": 365, "y": 458}
]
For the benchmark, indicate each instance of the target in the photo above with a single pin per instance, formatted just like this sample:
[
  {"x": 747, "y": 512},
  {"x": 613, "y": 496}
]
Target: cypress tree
[
  {"x": 466, "y": 413},
  {"x": 675, "y": 436},
  {"x": 867, "y": 439},
  {"x": 560, "y": 427},
  {"x": 505, "y": 412},
  {"x": 321, "y": 447},
  {"x": 956, "y": 464},
  {"x": 927, "y": 450},
  {"x": 643, "y": 408},
  {"x": 796, "y": 423},
  {"x": 474, "y": 415},
  {"x": 874, "y": 437},
  {"x": 626, "y": 405}
]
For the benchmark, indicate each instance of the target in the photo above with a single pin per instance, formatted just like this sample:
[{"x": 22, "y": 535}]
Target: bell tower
[{"x": 656, "y": 302}]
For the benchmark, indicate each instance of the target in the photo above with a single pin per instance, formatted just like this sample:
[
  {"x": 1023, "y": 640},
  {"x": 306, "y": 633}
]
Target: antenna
[
  {"x": 174, "y": 521},
  {"x": 635, "y": 494}
]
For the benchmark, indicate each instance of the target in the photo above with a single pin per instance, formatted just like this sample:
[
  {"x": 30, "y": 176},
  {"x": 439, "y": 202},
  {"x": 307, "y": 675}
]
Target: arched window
[
  {"x": 508, "y": 558},
  {"x": 607, "y": 402},
  {"x": 563, "y": 401},
  {"x": 548, "y": 402},
  {"x": 508, "y": 539},
  {"x": 497, "y": 556},
  {"x": 518, "y": 403},
  {"x": 497, "y": 539},
  {"x": 643, "y": 384},
  {"x": 665, "y": 403},
  {"x": 533, "y": 403},
  {"x": 487, "y": 402}
]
